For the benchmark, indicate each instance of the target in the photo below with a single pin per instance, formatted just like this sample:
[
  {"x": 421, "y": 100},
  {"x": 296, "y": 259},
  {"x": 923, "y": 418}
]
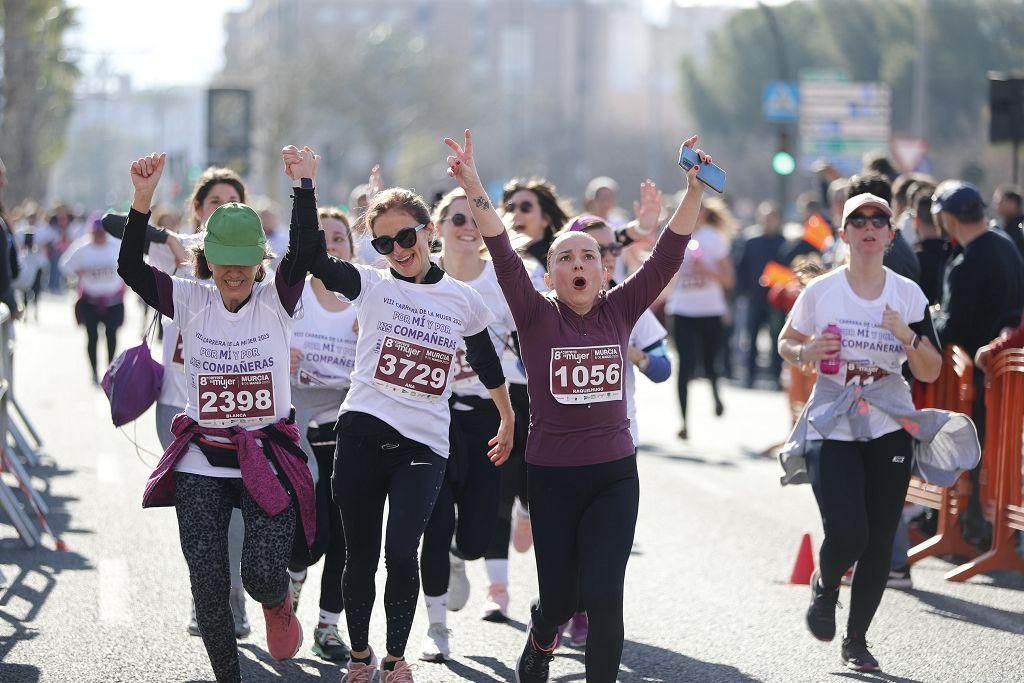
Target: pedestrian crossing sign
[{"x": 781, "y": 101}]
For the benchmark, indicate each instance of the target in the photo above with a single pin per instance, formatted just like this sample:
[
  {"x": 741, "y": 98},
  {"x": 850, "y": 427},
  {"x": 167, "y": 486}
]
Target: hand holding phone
[{"x": 709, "y": 174}]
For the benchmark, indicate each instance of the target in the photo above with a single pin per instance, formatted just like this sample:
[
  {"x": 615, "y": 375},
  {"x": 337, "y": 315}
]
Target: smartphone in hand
[{"x": 709, "y": 174}]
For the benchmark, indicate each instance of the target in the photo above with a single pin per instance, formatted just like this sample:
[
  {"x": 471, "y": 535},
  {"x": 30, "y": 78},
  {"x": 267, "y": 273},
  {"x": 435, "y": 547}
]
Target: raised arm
[
  {"x": 513, "y": 278},
  {"x": 154, "y": 286},
  {"x": 304, "y": 231}
]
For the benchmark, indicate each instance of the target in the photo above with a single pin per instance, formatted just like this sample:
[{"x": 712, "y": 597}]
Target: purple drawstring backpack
[{"x": 132, "y": 382}]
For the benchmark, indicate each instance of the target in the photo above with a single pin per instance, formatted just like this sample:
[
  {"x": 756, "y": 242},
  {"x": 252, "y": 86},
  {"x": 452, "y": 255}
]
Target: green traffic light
[{"x": 783, "y": 163}]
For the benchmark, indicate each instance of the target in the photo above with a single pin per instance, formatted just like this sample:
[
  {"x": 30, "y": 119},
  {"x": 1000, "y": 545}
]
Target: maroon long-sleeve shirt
[{"x": 574, "y": 363}]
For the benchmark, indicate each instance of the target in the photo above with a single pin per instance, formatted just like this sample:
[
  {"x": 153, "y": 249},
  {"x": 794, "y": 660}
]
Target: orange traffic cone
[{"x": 804, "y": 565}]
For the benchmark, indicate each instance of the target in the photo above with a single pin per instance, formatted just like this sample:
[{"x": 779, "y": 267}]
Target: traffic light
[{"x": 783, "y": 163}]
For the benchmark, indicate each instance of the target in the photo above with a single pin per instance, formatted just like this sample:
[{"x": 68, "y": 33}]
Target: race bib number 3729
[
  {"x": 586, "y": 374},
  {"x": 411, "y": 370},
  {"x": 236, "y": 399}
]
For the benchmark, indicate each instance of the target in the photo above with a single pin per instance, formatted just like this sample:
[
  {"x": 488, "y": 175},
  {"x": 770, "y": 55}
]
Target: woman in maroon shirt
[{"x": 581, "y": 464}]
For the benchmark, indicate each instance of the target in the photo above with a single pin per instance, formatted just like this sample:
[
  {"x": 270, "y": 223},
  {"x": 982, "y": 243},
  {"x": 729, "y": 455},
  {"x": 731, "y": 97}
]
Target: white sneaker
[
  {"x": 458, "y": 584},
  {"x": 193, "y": 622},
  {"x": 435, "y": 644},
  {"x": 238, "y": 615},
  {"x": 496, "y": 604}
]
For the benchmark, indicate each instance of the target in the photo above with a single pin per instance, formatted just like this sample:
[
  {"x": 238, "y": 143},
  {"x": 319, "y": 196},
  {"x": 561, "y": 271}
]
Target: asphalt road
[{"x": 707, "y": 597}]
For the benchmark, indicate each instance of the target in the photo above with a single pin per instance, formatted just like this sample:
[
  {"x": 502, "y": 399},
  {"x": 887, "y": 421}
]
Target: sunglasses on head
[
  {"x": 526, "y": 206},
  {"x": 859, "y": 220},
  {"x": 613, "y": 249},
  {"x": 459, "y": 219},
  {"x": 406, "y": 238}
]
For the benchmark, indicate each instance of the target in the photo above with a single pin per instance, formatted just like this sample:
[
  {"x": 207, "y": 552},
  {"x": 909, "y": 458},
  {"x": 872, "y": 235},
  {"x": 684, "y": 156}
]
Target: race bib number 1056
[
  {"x": 226, "y": 400},
  {"x": 586, "y": 374},
  {"x": 411, "y": 370}
]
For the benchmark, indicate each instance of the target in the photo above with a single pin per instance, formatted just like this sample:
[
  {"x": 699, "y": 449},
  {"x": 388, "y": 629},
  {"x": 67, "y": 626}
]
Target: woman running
[
  {"x": 861, "y": 471},
  {"x": 323, "y": 354},
  {"x": 698, "y": 304},
  {"x": 393, "y": 426},
  {"x": 472, "y": 484},
  {"x": 233, "y": 446},
  {"x": 582, "y": 478}
]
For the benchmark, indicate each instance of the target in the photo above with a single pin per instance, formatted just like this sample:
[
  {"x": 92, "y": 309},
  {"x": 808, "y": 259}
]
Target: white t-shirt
[
  {"x": 409, "y": 334},
  {"x": 236, "y": 363},
  {"x": 867, "y": 350},
  {"x": 465, "y": 381},
  {"x": 327, "y": 342},
  {"x": 95, "y": 266},
  {"x": 647, "y": 331},
  {"x": 696, "y": 295},
  {"x": 173, "y": 391}
]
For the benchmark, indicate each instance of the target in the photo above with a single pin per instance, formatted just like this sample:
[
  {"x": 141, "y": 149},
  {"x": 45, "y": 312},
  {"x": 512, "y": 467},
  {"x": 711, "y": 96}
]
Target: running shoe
[
  {"x": 359, "y": 672},
  {"x": 496, "y": 604},
  {"x": 856, "y": 655},
  {"x": 458, "y": 583},
  {"x": 327, "y": 644},
  {"x": 284, "y": 635},
  {"x": 522, "y": 529},
  {"x": 821, "y": 614},
  {"x": 900, "y": 578},
  {"x": 238, "y": 615},
  {"x": 402, "y": 673},
  {"x": 295, "y": 591},
  {"x": 533, "y": 664},
  {"x": 435, "y": 644},
  {"x": 193, "y": 622},
  {"x": 578, "y": 628}
]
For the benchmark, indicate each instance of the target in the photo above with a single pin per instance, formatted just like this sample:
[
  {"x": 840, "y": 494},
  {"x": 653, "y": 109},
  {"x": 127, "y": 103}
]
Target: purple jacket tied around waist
[{"x": 258, "y": 477}]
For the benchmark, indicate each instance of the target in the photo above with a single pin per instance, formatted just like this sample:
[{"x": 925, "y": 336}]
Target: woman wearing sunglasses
[
  {"x": 861, "y": 466},
  {"x": 393, "y": 426},
  {"x": 467, "y": 506},
  {"x": 582, "y": 477},
  {"x": 535, "y": 212}
]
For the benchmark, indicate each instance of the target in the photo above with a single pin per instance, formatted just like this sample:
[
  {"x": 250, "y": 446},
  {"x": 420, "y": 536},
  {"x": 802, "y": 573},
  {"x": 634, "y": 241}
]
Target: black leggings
[
  {"x": 330, "y": 536},
  {"x": 91, "y": 317},
  {"x": 696, "y": 338},
  {"x": 373, "y": 464},
  {"x": 204, "y": 506},
  {"x": 472, "y": 484},
  {"x": 860, "y": 487},
  {"x": 583, "y": 524},
  {"x": 513, "y": 475}
]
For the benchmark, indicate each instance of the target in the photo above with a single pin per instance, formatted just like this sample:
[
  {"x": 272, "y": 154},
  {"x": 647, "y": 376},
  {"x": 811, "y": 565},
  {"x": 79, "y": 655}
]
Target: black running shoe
[
  {"x": 821, "y": 614},
  {"x": 856, "y": 655},
  {"x": 533, "y": 664}
]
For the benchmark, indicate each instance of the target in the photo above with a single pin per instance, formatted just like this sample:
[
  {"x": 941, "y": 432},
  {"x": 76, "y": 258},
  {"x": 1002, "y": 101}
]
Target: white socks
[
  {"x": 437, "y": 608},
  {"x": 329, "y": 618},
  {"x": 497, "y": 571}
]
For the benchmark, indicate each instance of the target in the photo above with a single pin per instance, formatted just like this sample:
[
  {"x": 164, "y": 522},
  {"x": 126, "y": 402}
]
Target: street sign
[
  {"x": 909, "y": 152},
  {"x": 781, "y": 101},
  {"x": 841, "y": 121}
]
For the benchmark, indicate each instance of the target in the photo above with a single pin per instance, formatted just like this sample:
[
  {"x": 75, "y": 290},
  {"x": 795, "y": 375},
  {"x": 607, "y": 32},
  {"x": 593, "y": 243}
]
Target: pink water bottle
[{"x": 830, "y": 365}]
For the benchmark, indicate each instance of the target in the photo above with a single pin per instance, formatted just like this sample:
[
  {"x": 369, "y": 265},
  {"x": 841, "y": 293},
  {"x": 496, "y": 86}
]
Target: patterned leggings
[{"x": 204, "y": 506}]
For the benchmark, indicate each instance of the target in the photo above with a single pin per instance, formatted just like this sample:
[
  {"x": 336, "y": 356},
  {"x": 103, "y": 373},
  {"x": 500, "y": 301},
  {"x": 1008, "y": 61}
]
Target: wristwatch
[{"x": 306, "y": 183}]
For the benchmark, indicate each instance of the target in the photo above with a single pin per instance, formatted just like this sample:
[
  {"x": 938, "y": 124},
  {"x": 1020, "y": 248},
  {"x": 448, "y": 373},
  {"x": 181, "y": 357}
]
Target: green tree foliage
[
  {"x": 871, "y": 40},
  {"x": 39, "y": 78}
]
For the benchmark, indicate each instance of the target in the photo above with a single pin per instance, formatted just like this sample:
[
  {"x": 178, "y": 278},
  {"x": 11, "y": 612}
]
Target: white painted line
[
  {"x": 114, "y": 594},
  {"x": 108, "y": 470}
]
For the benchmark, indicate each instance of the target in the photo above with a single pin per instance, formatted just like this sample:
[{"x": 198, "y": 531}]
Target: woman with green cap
[{"x": 234, "y": 445}]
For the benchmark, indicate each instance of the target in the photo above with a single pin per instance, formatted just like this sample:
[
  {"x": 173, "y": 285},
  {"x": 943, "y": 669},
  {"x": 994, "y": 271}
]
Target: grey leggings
[
  {"x": 236, "y": 530},
  {"x": 204, "y": 506}
]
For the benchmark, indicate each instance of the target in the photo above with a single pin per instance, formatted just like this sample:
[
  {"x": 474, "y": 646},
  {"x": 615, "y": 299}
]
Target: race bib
[
  {"x": 586, "y": 374},
  {"x": 227, "y": 400},
  {"x": 178, "y": 357},
  {"x": 411, "y": 370},
  {"x": 463, "y": 374}
]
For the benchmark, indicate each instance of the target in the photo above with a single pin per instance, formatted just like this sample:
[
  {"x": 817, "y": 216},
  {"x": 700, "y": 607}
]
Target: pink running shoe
[
  {"x": 284, "y": 635},
  {"x": 496, "y": 604},
  {"x": 402, "y": 673},
  {"x": 361, "y": 673},
  {"x": 579, "y": 626},
  {"x": 522, "y": 529}
]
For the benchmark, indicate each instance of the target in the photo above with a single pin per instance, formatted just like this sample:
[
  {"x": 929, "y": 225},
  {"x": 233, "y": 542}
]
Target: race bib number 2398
[
  {"x": 586, "y": 374},
  {"x": 236, "y": 399}
]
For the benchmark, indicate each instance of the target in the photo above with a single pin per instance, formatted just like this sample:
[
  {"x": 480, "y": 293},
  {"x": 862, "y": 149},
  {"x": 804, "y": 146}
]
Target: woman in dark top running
[{"x": 581, "y": 463}]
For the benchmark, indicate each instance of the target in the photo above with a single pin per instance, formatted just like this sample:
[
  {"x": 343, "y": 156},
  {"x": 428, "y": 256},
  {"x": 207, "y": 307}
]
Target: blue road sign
[{"x": 781, "y": 101}]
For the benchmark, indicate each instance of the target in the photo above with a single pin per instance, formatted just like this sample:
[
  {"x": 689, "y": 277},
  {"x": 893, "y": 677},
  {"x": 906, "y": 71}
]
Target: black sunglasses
[
  {"x": 859, "y": 220},
  {"x": 526, "y": 206},
  {"x": 613, "y": 249},
  {"x": 406, "y": 238},
  {"x": 459, "y": 219}
]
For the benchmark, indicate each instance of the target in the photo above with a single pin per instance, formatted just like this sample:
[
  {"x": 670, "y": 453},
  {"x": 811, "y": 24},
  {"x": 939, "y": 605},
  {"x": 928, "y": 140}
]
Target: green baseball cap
[{"x": 234, "y": 236}]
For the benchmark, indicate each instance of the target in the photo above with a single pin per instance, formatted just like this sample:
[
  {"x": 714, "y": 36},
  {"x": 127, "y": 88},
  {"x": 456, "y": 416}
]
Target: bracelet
[
  {"x": 914, "y": 343},
  {"x": 799, "y": 353}
]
